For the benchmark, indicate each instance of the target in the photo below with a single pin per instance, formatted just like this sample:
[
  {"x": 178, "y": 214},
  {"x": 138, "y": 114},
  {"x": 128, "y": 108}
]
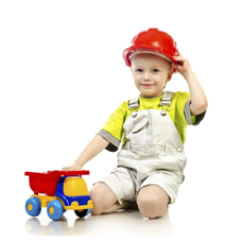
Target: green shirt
[{"x": 179, "y": 111}]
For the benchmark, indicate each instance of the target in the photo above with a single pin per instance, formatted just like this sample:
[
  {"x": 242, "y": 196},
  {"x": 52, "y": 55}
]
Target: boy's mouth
[{"x": 146, "y": 85}]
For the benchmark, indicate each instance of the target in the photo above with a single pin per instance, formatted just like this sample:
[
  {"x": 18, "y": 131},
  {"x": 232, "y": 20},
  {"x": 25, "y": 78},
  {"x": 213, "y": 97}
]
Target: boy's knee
[
  {"x": 96, "y": 210},
  {"x": 152, "y": 205},
  {"x": 102, "y": 198},
  {"x": 95, "y": 196}
]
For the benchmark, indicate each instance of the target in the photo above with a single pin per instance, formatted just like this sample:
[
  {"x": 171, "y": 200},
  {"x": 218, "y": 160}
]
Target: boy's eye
[
  {"x": 155, "y": 70},
  {"x": 139, "y": 70}
]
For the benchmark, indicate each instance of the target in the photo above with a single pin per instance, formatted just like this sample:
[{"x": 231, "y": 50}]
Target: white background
[{"x": 62, "y": 74}]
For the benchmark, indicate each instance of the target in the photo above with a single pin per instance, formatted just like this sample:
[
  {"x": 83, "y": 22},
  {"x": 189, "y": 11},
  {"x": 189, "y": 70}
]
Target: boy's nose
[{"x": 147, "y": 76}]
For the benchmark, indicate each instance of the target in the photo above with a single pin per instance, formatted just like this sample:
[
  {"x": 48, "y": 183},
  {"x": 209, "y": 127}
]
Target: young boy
[{"x": 151, "y": 128}]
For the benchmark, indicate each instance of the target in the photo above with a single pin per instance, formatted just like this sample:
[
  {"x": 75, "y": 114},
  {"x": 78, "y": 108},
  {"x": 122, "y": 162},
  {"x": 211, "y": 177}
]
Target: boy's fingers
[
  {"x": 179, "y": 59},
  {"x": 180, "y": 63}
]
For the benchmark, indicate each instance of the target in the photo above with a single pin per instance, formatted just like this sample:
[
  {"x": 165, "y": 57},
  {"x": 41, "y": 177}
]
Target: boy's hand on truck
[{"x": 75, "y": 166}]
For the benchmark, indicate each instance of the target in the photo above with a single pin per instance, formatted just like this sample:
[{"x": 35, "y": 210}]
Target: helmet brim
[{"x": 149, "y": 52}]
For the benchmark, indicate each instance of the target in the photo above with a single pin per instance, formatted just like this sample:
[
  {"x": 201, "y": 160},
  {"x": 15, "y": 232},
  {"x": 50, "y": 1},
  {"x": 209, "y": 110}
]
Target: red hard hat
[{"x": 151, "y": 41}]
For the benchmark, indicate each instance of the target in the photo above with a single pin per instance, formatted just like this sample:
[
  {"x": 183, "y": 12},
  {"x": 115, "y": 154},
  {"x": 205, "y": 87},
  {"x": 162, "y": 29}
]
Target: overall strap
[
  {"x": 133, "y": 103},
  {"x": 166, "y": 99}
]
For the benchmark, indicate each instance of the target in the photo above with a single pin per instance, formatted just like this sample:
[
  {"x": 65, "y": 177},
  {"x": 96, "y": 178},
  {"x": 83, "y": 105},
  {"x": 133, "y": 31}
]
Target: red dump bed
[{"x": 46, "y": 182}]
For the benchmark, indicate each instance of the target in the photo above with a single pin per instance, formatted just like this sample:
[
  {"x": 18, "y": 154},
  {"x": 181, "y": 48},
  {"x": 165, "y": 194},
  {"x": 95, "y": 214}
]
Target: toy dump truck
[{"x": 58, "y": 191}]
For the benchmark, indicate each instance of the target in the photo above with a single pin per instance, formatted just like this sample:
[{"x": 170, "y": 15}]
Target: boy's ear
[{"x": 170, "y": 73}]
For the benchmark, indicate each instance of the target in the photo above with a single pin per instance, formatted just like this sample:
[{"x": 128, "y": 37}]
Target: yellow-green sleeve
[
  {"x": 113, "y": 129},
  {"x": 183, "y": 111}
]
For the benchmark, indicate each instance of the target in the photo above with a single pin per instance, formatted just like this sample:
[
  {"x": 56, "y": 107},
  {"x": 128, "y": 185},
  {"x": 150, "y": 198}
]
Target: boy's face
[{"x": 150, "y": 73}]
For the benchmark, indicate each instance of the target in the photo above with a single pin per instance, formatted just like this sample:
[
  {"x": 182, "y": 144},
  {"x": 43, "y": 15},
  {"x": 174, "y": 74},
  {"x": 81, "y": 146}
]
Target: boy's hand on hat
[{"x": 182, "y": 65}]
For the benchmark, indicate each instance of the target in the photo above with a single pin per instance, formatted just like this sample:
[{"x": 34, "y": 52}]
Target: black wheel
[{"x": 82, "y": 213}]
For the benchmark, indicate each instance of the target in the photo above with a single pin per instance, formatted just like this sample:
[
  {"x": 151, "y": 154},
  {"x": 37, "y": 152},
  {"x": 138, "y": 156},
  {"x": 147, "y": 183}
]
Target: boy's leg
[
  {"x": 157, "y": 191},
  {"x": 110, "y": 193},
  {"x": 104, "y": 200},
  {"x": 152, "y": 201}
]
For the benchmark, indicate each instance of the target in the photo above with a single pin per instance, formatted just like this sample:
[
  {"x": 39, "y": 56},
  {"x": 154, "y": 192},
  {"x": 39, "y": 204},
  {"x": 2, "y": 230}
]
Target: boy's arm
[
  {"x": 199, "y": 101},
  {"x": 96, "y": 145}
]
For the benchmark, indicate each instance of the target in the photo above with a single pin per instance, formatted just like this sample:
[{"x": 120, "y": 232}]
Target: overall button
[
  {"x": 179, "y": 149},
  {"x": 134, "y": 114},
  {"x": 163, "y": 113}
]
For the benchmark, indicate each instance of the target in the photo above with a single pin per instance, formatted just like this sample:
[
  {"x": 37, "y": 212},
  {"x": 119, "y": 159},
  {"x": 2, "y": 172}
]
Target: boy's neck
[{"x": 150, "y": 97}]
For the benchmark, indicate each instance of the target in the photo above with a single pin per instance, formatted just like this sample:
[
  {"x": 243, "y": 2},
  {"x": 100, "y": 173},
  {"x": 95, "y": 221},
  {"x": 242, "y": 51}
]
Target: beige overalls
[{"x": 152, "y": 155}]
